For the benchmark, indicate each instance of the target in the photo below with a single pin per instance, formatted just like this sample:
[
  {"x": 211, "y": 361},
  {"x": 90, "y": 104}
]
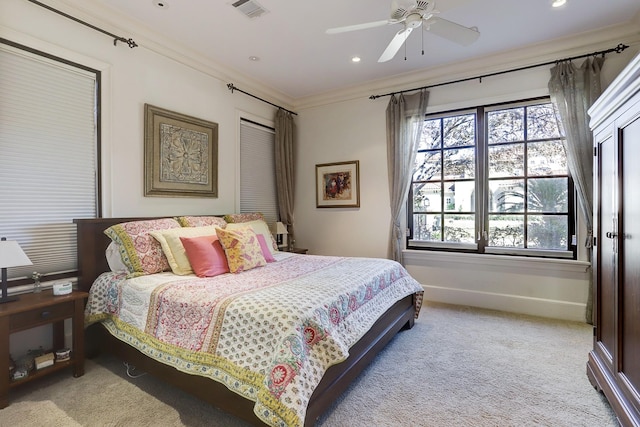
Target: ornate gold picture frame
[{"x": 180, "y": 154}]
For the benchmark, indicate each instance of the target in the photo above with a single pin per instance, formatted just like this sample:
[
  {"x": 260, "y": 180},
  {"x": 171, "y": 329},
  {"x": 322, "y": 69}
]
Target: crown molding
[
  {"x": 148, "y": 38},
  {"x": 623, "y": 87},
  {"x": 601, "y": 39}
]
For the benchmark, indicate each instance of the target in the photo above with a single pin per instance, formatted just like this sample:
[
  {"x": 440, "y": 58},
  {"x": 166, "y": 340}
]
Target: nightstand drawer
[{"x": 31, "y": 318}]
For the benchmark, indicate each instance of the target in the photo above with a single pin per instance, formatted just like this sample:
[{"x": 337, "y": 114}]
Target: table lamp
[
  {"x": 281, "y": 231},
  {"x": 11, "y": 255}
]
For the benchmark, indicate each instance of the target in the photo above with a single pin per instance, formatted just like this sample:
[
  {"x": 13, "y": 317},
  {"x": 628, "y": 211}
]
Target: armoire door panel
[
  {"x": 614, "y": 364},
  {"x": 606, "y": 321},
  {"x": 630, "y": 254}
]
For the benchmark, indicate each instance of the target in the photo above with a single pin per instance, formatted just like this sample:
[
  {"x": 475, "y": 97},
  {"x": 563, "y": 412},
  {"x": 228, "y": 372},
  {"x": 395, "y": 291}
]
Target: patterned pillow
[
  {"x": 140, "y": 252},
  {"x": 242, "y": 249},
  {"x": 174, "y": 249},
  {"x": 206, "y": 256},
  {"x": 243, "y": 217},
  {"x": 201, "y": 221},
  {"x": 259, "y": 227},
  {"x": 114, "y": 260},
  {"x": 266, "y": 252}
]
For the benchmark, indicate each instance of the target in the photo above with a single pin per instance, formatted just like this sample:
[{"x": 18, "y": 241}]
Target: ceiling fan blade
[
  {"x": 360, "y": 26},
  {"x": 451, "y": 31},
  {"x": 395, "y": 45}
]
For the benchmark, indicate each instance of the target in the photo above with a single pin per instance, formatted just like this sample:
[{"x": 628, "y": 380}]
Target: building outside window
[{"x": 493, "y": 179}]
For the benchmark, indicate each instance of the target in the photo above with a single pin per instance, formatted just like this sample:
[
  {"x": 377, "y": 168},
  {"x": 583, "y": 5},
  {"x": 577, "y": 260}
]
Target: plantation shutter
[
  {"x": 48, "y": 157},
  {"x": 257, "y": 171}
]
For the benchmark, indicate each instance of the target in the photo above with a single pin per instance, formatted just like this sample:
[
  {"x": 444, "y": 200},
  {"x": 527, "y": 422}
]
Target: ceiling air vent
[{"x": 249, "y": 8}]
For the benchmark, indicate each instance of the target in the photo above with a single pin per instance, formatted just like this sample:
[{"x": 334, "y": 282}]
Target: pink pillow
[
  {"x": 265, "y": 248},
  {"x": 206, "y": 256}
]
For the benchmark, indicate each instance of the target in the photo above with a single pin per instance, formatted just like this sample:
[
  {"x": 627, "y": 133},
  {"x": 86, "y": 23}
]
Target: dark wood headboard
[{"x": 92, "y": 244}]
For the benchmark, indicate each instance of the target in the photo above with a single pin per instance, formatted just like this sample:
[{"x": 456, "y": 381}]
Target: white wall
[{"x": 344, "y": 131}]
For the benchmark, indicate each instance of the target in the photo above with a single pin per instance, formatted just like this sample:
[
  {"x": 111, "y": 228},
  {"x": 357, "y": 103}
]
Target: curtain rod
[
  {"x": 231, "y": 87},
  {"x": 616, "y": 49},
  {"x": 116, "y": 39}
]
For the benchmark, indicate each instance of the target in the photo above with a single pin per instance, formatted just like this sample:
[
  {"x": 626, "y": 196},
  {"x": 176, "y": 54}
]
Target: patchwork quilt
[{"x": 268, "y": 334}]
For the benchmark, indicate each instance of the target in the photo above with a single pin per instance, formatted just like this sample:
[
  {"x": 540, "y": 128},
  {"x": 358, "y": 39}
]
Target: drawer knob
[{"x": 45, "y": 314}]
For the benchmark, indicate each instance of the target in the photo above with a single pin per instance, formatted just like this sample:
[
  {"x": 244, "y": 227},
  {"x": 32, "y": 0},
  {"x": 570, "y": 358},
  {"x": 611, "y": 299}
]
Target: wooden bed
[{"x": 92, "y": 243}]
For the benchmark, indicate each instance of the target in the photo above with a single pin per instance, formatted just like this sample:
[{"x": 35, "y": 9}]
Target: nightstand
[
  {"x": 37, "y": 309},
  {"x": 296, "y": 250}
]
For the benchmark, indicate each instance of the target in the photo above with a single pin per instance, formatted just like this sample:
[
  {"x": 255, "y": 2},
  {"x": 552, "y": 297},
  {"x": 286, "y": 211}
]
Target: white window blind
[
  {"x": 48, "y": 160},
  {"x": 258, "y": 171}
]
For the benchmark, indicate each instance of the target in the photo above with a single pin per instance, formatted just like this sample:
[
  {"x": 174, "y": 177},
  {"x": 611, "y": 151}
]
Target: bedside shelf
[
  {"x": 37, "y": 309},
  {"x": 35, "y": 374}
]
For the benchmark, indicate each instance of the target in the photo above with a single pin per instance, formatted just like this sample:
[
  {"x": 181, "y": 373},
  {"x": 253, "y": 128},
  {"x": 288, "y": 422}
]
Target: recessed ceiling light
[
  {"x": 558, "y": 3},
  {"x": 160, "y": 4},
  {"x": 254, "y": 58},
  {"x": 355, "y": 59}
]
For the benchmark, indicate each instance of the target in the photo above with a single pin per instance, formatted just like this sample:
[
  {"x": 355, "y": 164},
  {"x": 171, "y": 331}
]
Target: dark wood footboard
[
  {"x": 335, "y": 381},
  {"x": 338, "y": 377}
]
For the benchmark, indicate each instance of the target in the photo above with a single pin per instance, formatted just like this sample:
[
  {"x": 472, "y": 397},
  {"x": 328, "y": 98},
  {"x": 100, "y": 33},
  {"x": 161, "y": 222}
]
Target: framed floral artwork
[
  {"x": 338, "y": 185},
  {"x": 180, "y": 155}
]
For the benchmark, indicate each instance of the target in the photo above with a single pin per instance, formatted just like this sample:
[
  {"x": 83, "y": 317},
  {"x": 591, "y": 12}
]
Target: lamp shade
[
  {"x": 12, "y": 255},
  {"x": 281, "y": 228}
]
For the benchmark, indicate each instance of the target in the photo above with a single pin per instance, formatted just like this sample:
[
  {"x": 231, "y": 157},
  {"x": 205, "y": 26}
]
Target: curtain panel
[
  {"x": 573, "y": 90},
  {"x": 285, "y": 167},
  {"x": 405, "y": 120}
]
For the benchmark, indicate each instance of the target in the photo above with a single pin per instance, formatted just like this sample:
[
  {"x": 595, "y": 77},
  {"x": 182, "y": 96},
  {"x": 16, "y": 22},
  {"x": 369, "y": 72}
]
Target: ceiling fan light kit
[{"x": 413, "y": 14}]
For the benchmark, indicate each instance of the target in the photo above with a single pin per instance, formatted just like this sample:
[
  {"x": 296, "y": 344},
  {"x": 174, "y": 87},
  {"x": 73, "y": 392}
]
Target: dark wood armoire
[{"x": 614, "y": 362}]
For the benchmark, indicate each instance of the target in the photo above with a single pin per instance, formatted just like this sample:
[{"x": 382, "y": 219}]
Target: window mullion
[
  {"x": 525, "y": 171},
  {"x": 482, "y": 181}
]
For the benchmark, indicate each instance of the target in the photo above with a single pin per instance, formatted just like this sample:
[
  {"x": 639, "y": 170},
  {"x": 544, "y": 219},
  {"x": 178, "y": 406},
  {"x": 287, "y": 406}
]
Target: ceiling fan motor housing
[
  {"x": 413, "y": 20},
  {"x": 402, "y": 10}
]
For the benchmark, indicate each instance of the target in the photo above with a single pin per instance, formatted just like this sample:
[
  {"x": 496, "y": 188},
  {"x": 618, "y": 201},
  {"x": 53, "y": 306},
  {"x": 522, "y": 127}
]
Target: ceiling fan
[{"x": 413, "y": 14}]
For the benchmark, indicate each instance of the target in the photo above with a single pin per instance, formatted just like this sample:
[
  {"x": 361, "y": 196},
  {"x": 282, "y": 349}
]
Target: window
[
  {"x": 258, "y": 170},
  {"x": 49, "y": 165},
  {"x": 493, "y": 180}
]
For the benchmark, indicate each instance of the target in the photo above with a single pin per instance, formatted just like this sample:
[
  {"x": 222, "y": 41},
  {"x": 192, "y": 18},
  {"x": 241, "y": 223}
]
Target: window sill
[
  {"x": 529, "y": 252},
  {"x": 25, "y": 289},
  {"x": 493, "y": 250},
  {"x": 443, "y": 245},
  {"x": 517, "y": 263}
]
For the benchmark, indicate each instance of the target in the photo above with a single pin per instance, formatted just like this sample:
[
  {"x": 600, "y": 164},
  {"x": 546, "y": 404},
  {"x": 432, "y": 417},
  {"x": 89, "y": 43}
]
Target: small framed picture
[{"x": 338, "y": 185}]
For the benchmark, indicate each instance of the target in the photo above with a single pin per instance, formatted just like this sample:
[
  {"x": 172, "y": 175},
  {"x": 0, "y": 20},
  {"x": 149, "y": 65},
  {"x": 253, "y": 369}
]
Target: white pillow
[{"x": 114, "y": 259}]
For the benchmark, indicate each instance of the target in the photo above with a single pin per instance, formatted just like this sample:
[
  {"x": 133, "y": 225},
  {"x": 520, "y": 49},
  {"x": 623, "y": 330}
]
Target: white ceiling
[{"x": 298, "y": 59}]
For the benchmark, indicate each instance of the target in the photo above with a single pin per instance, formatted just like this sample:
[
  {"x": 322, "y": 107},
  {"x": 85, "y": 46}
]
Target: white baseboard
[{"x": 510, "y": 303}]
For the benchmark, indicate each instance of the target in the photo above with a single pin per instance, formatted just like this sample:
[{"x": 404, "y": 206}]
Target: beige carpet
[{"x": 458, "y": 366}]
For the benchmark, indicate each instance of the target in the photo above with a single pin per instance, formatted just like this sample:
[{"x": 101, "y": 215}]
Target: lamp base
[{"x": 8, "y": 299}]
